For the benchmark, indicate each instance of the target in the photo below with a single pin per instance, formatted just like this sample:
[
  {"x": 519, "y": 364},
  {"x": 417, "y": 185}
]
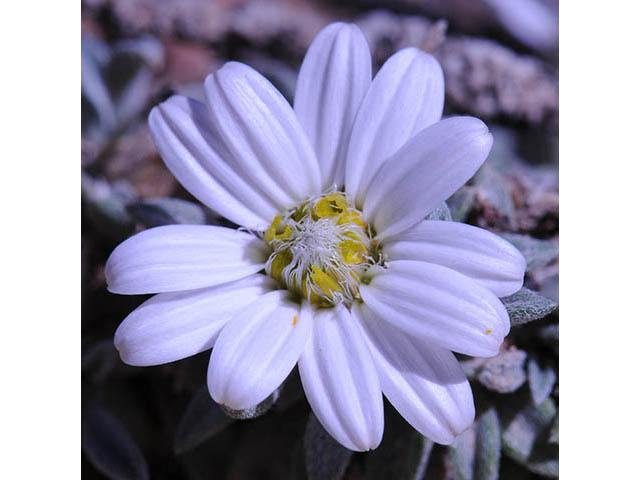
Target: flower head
[{"x": 334, "y": 268}]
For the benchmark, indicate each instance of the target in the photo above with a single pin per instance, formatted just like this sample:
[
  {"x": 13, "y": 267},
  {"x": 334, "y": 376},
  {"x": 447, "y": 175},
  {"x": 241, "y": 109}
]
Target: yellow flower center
[{"x": 321, "y": 250}]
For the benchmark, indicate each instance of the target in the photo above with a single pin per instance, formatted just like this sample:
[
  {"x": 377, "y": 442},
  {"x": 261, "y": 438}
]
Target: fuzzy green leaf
[
  {"x": 104, "y": 205},
  {"x": 461, "y": 203},
  {"x": 525, "y": 438},
  {"x": 536, "y": 252},
  {"x": 554, "y": 434},
  {"x": 441, "y": 212},
  {"x": 153, "y": 212},
  {"x": 110, "y": 447},
  {"x": 525, "y": 306},
  {"x": 475, "y": 454},
  {"x": 541, "y": 381},
  {"x": 488, "y": 446},
  {"x": 202, "y": 419},
  {"x": 550, "y": 335},
  {"x": 403, "y": 453},
  {"x": 325, "y": 459},
  {"x": 255, "y": 411},
  {"x": 99, "y": 360}
]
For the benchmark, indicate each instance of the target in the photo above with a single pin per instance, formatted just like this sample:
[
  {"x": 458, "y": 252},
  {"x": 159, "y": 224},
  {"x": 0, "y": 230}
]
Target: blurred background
[{"x": 500, "y": 59}]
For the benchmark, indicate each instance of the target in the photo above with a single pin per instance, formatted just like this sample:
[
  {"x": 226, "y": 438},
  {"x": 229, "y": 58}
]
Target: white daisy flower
[{"x": 334, "y": 267}]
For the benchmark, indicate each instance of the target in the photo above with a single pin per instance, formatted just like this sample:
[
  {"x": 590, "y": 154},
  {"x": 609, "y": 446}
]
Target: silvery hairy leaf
[
  {"x": 325, "y": 459},
  {"x": 525, "y": 306},
  {"x": 550, "y": 335},
  {"x": 461, "y": 203},
  {"x": 105, "y": 205},
  {"x": 99, "y": 359},
  {"x": 536, "y": 252},
  {"x": 255, "y": 411},
  {"x": 554, "y": 434},
  {"x": 440, "y": 213},
  {"x": 403, "y": 453},
  {"x": 202, "y": 419},
  {"x": 525, "y": 438},
  {"x": 475, "y": 454},
  {"x": 541, "y": 381},
  {"x": 154, "y": 212},
  {"x": 110, "y": 448}
]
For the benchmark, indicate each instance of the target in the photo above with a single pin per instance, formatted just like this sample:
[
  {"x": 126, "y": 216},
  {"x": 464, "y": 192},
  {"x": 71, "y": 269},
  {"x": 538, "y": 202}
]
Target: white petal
[
  {"x": 333, "y": 80},
  {"x": 261, "y": 130},
  {"x": 175, "y": 325},
  {"x": 422, "y": 381},
  {"x": 425, "y": 172},
  {"x": 406, "y": 96},
  {"x": 193, "y": 151},
  {"x": 488, "y": 259},
  {"x": 340, "y": 380},
  {"x": 438, "y": 305},
  {"x": 183, "y": 257},
  {"x": 257, "y": 349}
]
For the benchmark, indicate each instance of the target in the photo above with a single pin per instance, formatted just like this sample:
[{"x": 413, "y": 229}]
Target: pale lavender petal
[
  {"x": 340, "y": 380},
  {"x": 175, "y": 325},
  {"x": 406, "y": 96},
  {"x": 262, "y": 132},
  {"x": 257, "y": 349},
  {"x": 333, "y": 80},
  {"x": 183, "y": 257},
  {"x": 424, "y": 173},
  {"x": 193, "y": 151},
  {"x": 422, "y": 381},
  {"x": 477, "y": 253},
  {"x": 438, "y": 305}
]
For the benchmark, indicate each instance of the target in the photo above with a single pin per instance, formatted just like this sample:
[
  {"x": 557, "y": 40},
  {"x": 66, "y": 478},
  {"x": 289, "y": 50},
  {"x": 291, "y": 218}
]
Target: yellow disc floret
[{"x": 321, "y": 249}]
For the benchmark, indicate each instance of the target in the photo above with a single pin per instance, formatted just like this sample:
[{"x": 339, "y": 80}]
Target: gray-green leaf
[
  {"x": 461, "y": 203},
  {"x": 255, "y": 411},
  {"x": 153, "y": 212},
  {"x": 202, "y": 419},
  {"x": 550, "y": 335},
  {"x": 110, "y": 448},
  {"x": 541, "y": 381},
  {"x": 536, "y": 252},
  {"x": 403, "y": 453},
  {"x": 475, "y": 454},
  {"x": 525, "y": 439},
  {"x": 525, "y": 306},
  {"x": 325, "y": 459},
  {"x": 105, "y": 206},
  {"x": 554, "y": 434},
  {"x": 440, "y": 213}
]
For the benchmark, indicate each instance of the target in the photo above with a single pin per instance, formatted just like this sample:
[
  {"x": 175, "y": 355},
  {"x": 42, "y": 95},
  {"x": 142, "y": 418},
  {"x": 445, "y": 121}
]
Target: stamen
[{"x": 321, "y": 249}]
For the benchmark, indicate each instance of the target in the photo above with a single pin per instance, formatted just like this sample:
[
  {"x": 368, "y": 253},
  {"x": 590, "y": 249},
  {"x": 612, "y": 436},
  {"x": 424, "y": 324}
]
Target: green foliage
[
  {"x": 461, "y": 203},
  {"x": 525, "y": 306},
  {"x": 541, "y": 381},
  {"x": 325, "y": 459},
  {"x": 202, "y": 419},
  {"x": 110, "y": 447},
  {"x": 536, "y": 252},
  {"x": 403, "y": 453},
  {"x": 255, "y": 411},
  {"x": 105, "y": 206},
  {"x": 475, "y": 454},
  {"x": 153, "y": 212},
  {"x": 526, "y": 438},
  {"x": 441, "y": 212}
]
